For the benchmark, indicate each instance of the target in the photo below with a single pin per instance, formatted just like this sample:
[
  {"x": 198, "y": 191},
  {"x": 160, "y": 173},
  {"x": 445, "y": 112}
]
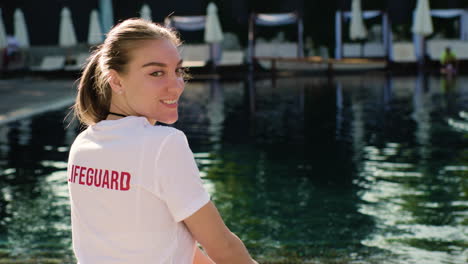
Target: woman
[{"x": 135, "y": 191}]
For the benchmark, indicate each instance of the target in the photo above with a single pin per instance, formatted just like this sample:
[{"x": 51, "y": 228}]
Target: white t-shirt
[{"x": 131, "y": 184}]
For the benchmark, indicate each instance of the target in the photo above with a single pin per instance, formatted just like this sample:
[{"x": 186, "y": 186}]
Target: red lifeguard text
[{"x": 100, "y": 178}]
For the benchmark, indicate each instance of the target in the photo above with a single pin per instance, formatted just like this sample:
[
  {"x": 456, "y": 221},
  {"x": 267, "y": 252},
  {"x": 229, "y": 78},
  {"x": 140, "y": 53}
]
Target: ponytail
[{"x": 94, "y": 94}]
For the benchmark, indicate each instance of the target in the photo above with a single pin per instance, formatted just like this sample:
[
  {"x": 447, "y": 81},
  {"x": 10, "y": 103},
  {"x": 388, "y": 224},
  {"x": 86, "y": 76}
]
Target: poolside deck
[
  {"x": 263, "y": 66},
  {"x": 24, "y": 97},
  {"x": 316, "y": 63}
]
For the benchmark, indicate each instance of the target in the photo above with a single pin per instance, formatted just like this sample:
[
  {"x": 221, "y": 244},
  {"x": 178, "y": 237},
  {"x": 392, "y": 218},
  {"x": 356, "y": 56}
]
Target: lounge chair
[
  {"x": 437, "y": 46},
  {"x": 80, "y": 62},
  {"x": 403, "y": 52},
  {"x": 195, "y": 55},
  {"x": 462, "y": 50},
  {"x": 276, "y": 49},
  {"x": 266, "y": 50},
  {"x": 231, "y": 58},
  {"x": 50, "y": 63},
  {"x": 352, "y": 50},
  {"x": 374, "y": 50}
]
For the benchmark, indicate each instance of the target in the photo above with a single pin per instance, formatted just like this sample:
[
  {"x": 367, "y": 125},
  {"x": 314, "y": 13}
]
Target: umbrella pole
[
  {"x": 422, "y": 60},
  {"x": 213, "y": 55},
  {"x": 362, "y": 48},
  {"x": 67, "y": 56}
]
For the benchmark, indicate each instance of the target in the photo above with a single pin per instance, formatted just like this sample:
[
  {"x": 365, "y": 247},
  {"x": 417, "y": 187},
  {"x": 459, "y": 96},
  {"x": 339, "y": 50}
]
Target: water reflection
[
  {"x": 388, "y": 92},
  {"x": 250, "y": 93},
  {"x": 215, "y": 113},
  {"x": 359, "y": 169},
  {"x": 272, "y": 183},
  {"x": 418, "y": 204},
  {"x": 339, "y": 110},
  {"x": 34, "y": 221},
  {"x": 421, "y": 115}
]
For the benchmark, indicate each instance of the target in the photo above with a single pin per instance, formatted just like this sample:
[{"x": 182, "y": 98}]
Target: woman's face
[{"x": 153, "y": 81}]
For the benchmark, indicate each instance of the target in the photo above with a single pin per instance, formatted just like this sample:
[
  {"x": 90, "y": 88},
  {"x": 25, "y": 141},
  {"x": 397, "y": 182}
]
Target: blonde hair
[{"x": 94, "y": 93}]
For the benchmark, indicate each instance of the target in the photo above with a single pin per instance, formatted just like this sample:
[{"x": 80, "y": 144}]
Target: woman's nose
[{"x": 177, "y": 84}]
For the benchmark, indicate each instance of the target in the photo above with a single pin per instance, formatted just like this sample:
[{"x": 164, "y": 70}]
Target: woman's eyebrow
[
  {"x": 160, "y": 64},
  {"x": 154, "y": 63}
]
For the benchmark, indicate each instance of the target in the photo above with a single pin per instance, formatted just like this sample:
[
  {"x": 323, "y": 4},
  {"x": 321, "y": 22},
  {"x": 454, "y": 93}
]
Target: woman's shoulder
[
  {"x": 164, "y": 138},
  {"x": 163, "y": 132}
]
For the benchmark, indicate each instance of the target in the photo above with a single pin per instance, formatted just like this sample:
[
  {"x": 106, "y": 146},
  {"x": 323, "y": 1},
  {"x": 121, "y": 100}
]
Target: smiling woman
[
  {"x": 133, "y": 53},
  {"x": 156, "y": 209},
  {"x": 148, "y": 87}
]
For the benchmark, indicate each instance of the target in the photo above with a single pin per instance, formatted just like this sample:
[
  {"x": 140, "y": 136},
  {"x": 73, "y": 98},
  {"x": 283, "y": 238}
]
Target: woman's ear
[{"x": 115, "y": 82}]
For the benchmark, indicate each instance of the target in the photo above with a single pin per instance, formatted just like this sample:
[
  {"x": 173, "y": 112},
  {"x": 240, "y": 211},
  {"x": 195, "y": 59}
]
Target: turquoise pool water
[{"x": 358, "y": 169}]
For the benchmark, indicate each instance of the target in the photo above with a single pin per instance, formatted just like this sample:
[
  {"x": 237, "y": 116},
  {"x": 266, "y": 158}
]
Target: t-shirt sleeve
[{"x": 179, "y": 179}]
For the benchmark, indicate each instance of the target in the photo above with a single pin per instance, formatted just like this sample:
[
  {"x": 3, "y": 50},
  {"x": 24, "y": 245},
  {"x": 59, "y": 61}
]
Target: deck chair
[
  {"x": 437, "y": 46},
  {"x": 403, "y": 52},
  {"x": 286, "y": 49},
  {"x": 80, "y": 62},
  {"x": 274, "y": 50},
  {"x": 195, "y": 55},
  {"x": 232, "y": 57},
  {"x": 50, "y": 63},
  {"x": 462, "y": 50},
  {"x": 374, "y": 50},
  {"x": 351, "y": 50}
]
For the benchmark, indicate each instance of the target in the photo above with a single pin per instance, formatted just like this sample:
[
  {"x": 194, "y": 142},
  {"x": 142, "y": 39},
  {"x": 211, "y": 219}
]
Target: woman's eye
[{"x": 157, "y": 73}]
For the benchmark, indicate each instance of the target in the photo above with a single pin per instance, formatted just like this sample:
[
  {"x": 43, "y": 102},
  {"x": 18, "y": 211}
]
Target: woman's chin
[{"x": 167, "y": 121}]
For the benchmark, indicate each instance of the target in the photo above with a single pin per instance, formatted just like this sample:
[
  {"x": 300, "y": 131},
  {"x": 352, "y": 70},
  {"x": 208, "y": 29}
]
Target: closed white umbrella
[
  {"x": 422, "y": 21},
  {"x": 357, "y": 29},
  {"x": 94, "y": 33},
  {"x": 213, "y": 32},
  {"x": 145, "y": 12},
  {"x": 3, "y": 39},
  {"x": 422, "y": 26},
  {"x": 21, "y": 31},
  {"x": 67, "y": 36}
]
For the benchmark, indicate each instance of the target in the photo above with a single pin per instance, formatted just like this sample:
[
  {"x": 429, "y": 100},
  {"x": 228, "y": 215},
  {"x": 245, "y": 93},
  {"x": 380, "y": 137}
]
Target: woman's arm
[
  {"x": 221, "y": 245},
  {"x": 201, "y": 258}
]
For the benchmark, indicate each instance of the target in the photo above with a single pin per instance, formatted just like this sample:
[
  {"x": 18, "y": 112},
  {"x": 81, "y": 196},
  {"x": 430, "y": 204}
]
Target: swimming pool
[{"x": 358, "y": 169}]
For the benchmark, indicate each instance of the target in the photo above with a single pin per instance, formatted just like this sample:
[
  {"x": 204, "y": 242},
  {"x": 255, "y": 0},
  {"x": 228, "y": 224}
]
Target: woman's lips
[{"x": 170, "y": 103}]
